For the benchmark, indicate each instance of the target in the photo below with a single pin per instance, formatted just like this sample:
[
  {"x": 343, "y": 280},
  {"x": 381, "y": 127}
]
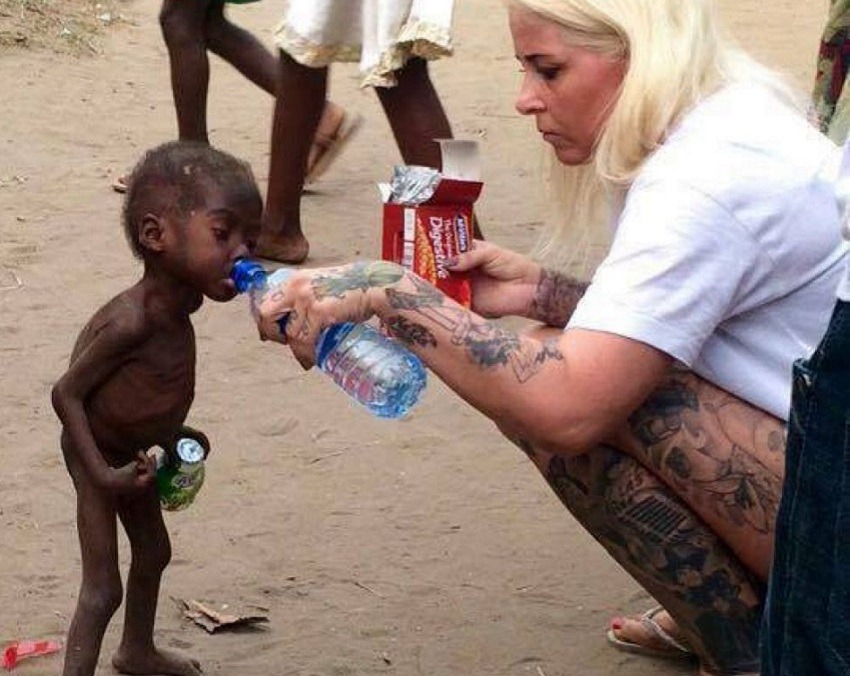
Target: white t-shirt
[{"x": 728, "y": 252}]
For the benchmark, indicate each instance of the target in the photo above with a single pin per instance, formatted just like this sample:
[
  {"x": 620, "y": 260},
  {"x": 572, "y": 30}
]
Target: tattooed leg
[
  {"x": 723, "y": 458},
  {"x": 641, "y": 522}
]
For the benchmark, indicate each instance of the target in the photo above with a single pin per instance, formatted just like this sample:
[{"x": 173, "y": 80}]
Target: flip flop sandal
[
  {"x": 120, "y": 184},
  {"x": 326, "y": 148},
  {"x": 674, "y": 649}
]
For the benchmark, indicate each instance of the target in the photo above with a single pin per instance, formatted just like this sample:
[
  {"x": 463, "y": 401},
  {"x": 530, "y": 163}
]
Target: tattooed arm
[
  {"x": 565, "y": 394},
  {"x": 555, "y": 298},
  {"x": 507, "y": 283}
]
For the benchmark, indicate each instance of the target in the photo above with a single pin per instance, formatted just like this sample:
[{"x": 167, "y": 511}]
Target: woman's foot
[
  {"x": 291, "y": 249},
  {"x": 654, "y": 634},
  {"x": 154, "y": 662}
]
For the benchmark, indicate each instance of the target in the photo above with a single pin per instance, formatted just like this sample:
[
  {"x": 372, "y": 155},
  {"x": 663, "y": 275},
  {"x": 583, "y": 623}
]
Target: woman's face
[{"x": 568, "y": 89}]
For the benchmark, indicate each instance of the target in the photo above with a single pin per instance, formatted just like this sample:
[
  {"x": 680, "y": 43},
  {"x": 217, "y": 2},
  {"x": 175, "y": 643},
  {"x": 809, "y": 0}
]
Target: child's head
[
  {"x": 192, "y": 209},
  {"x": 175, "y": 178}
]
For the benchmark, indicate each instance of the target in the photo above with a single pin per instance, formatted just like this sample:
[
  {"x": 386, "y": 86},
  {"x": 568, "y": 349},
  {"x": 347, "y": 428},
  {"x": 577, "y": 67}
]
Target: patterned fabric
[
  {"x": 831, "y": 98},
  {"x": 381, "y": 34}
]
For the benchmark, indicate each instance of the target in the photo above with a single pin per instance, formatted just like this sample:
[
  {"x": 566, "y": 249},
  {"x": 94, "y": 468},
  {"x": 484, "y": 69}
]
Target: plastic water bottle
[{"x": 377, "y": 371}]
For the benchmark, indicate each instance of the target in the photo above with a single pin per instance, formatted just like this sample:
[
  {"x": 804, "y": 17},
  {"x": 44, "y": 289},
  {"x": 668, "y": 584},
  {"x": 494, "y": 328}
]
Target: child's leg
[
  {"x": 151, "y": 551},
  {"x": 298, "y": 109},
  {"x": 240, "y": 48},
  {"x": 100, "y": 591},
  {"x": 183, "y": 23}
]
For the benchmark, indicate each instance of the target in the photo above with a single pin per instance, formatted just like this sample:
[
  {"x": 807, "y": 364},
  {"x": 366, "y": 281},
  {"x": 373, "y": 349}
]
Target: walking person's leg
[
  {"x": 296, "y": 119},
  {"x": 183, "y": 25},
  {"x": 240, "y": 48}
]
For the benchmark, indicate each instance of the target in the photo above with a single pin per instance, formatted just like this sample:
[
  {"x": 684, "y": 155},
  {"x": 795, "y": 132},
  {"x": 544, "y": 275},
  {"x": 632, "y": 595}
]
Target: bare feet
[
  {"x": 160, "y": 662},
  {"x": 292, "y": 249}
]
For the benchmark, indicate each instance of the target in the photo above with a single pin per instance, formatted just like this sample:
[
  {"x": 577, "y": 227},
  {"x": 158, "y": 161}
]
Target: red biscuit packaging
[{"x": 428, "y": 217}]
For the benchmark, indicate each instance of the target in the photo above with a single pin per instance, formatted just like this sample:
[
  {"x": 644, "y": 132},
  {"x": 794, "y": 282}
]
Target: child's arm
[{"x": 106, "y": 352}]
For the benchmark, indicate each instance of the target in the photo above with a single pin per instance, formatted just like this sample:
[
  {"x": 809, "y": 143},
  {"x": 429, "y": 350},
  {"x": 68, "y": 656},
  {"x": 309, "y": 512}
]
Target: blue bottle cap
[{"x": 247, "y": 274}]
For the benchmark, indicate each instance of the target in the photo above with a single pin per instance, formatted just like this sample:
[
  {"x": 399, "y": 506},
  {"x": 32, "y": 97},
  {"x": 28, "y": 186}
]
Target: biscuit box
[{"x": 421, "y": 235}]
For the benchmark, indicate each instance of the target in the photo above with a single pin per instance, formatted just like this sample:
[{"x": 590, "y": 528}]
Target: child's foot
[
  {"x": 160, "y": 662},
  {"x": 292, "y": 249}
]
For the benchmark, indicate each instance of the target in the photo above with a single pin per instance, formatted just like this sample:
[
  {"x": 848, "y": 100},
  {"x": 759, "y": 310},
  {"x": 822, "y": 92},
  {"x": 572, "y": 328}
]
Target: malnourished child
[{"x": 189, "y": 213}]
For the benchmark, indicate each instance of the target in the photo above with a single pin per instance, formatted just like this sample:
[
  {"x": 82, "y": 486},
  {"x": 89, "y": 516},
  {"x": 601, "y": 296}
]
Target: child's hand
[{"x": 134, "y": 477}]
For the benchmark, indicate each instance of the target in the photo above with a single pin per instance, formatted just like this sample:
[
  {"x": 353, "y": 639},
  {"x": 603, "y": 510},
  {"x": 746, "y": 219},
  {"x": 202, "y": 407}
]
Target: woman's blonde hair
[{"x": 676, "y": 56}]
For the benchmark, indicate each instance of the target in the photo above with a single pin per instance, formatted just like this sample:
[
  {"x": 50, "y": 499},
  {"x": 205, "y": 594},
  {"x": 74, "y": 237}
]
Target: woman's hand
[
  {"x": 311, "y": 300},
  {"x": 503, "y": 282}
]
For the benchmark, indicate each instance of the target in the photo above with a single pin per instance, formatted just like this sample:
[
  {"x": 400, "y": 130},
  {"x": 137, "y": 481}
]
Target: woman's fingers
[
  {"x": 296, "y": 312},
  {"x": 481, "y": 253},
  {"x": 282, "y": 317},
  {"x": 304, "y": 353},
  {"x": 274, "y": 312}
]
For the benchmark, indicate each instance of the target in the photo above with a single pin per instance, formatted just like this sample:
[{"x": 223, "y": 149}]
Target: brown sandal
[
  {"x": 119, "y": 185},
  {"x": 326, "y": 146}
]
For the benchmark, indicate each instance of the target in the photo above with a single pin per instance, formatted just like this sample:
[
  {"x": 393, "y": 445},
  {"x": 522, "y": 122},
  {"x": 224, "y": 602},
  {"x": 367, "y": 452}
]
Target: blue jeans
[{"x": 806, "y": 623}]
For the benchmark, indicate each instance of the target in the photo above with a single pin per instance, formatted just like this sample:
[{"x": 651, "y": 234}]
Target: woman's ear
[{"x": 152, "y": 233}]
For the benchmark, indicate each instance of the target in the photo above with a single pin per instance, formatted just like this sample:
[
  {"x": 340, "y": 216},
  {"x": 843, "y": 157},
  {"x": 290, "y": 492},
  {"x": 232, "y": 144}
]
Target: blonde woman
[{"x": 652, "y": 399}]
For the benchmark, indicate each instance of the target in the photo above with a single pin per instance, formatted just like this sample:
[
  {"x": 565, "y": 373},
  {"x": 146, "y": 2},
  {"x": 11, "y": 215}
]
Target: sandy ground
[{"x": 428, "y": 546}]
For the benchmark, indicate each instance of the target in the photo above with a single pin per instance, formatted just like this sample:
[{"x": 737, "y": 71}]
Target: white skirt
[{"x": 381, "y": 34}]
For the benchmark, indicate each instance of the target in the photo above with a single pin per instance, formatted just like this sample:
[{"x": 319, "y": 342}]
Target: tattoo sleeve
[
  {"x": 486, "y": 344},
  {"x": 357, "y": 277},
  {"x": 555, "y": 298}
]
